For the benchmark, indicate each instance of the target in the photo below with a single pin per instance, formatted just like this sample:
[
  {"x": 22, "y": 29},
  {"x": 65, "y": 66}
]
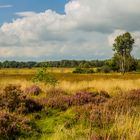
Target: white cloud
[
  {"x": 25, "y": 14},
  {"x": 86, "y": 30},
  {"x": 6, "y": 6},
  {"x": 112, "y": 36}
]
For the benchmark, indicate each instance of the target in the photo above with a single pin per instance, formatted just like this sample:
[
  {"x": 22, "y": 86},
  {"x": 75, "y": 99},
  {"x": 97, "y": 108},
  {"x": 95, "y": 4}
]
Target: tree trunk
[{"x": 123, "y": 64}]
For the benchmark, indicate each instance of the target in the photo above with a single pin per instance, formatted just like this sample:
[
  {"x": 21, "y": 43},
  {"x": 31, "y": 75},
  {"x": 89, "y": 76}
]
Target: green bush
[
  {"x": 106, "y": 69},
  {"x": 83, "y": 70},
  {"x": 43, "y": 76}
]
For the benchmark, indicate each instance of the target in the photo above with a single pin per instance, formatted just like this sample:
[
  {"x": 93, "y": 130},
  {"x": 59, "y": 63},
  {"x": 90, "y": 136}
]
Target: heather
[{"x": 104, "y": 108}]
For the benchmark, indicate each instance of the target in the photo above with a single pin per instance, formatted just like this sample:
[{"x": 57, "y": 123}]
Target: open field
[{"x": 80, "y": 107}]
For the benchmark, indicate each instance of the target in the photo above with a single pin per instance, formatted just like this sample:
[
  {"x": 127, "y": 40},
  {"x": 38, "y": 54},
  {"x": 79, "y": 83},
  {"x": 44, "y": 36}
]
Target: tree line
[
  {"x": 62, "y": 63},
  {"x": 110, "y": 63}
]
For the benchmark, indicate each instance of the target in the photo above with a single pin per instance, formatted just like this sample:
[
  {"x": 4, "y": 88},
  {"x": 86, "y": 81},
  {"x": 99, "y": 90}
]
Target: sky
[{"x": 65, "y": 29}]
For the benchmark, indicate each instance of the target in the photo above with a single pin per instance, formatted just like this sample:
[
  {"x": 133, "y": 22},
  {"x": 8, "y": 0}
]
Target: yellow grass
[
  {"x": 33, "y": 70},
  {"x": 112, "y": 83},
  {"x": 126, "y": 127},
  {"x": 112, "y": 86}
]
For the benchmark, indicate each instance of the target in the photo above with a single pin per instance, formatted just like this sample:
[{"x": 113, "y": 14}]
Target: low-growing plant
[
  {"x": 53, "y": 92},
  {"x": 83, "y": 70},
  {"x": 94, "y": 115},
  {"x": 12, "y": 126},
  {"x": 29, "y": 106},
  {"x": 11, "y": 97},
  {"x": 81, "y": 98},
  {"x": 14, "y": 100},
  {"x": 106, "y": 69},
  {"x": 35, "y": 90},
  {"x": 124, "y": 102},
  {"x": 45, "y": 77}
]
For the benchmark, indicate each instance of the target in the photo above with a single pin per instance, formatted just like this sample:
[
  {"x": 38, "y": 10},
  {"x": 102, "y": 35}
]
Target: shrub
[
  {"x": 43, "y": 76},
  {"x": 94, "y": 115},
  {"x": 58, "y": 102},
  {"x": 106, "y": 69},
  {"x": 83, "y": 70},
  {"x": 14, "y": 100},
  {"x": 95, "y": 136},
  {"x": 35, "y": 90},
  {"x": 81, "y": 98},
  {"x": 98, "y": 70},
  {"x": 29, "y": 106},
  {"x": 11, "y": 126},
  {"x": 53, "y": 92},
  {"x": 78, "y": 70},
  {"x": 11, "y": 97},
  {"x": 101, "y": 117},
  {"x": 87, "y": 97},
  {"x": 124, "y": 102}
]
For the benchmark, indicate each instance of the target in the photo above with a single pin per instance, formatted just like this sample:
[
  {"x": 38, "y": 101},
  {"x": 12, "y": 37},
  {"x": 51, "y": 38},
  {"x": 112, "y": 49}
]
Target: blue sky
[
  {"x": 7, "y": 14},
  {"x": 65, "y": 29}
]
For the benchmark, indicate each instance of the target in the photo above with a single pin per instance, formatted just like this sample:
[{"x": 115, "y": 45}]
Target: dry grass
[
  {"x": 126, "y": 127},
  {"x": 112, "y": 86},
  {"x": 33, "y": 70}
]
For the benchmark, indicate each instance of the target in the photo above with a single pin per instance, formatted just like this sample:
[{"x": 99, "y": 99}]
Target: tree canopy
[{"x": 123, "y": 47}]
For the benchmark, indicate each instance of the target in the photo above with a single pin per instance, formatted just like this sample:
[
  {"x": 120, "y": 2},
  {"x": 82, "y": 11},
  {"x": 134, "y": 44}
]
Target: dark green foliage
[
  {"x": 106, "y": 69},
  {"x": 83, "y": 70},
  {"x": 113, "y": 63},
  {"x": 62, "y": 63},
  {"x": 122, "y": 47}
]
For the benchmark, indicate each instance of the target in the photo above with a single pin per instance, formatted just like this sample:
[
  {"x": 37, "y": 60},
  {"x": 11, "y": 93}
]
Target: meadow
[{"x": 95, "y": 106}]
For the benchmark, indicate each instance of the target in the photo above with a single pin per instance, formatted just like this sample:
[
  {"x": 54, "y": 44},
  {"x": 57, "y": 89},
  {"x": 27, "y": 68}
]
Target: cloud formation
[
  {"x": 85, "y": 31},
  {"x": 6, "y": 6}
]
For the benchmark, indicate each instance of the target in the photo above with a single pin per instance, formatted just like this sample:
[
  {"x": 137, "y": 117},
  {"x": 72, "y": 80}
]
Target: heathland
[{"x": 97, "y": 106}]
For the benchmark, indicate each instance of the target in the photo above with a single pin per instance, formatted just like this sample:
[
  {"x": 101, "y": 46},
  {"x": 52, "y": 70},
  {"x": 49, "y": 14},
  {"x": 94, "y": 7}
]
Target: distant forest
[
  {"x": 68, "y": 64},
  {"x": 62, "y": 63}
]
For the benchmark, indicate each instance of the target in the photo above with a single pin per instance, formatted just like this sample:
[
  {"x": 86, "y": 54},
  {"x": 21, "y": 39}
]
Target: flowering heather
[
  {"x": 124, "y": 102},
  {"x": 12, "y": 126},
  {"x": 81, "y": 98},
  {"x": 10, "y": 97},
  {"x": 29, "y": 106},
  {"x": 14, "y": 100},
  {"x": 53, "y": 92},
  {"x": 95, "y": 115},
  {"x": 35, "y": 90}
]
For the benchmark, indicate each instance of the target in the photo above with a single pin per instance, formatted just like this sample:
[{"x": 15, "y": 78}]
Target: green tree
[
  {"x": 43, "y": 76},
  {"x": 123, "y": 47}
]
